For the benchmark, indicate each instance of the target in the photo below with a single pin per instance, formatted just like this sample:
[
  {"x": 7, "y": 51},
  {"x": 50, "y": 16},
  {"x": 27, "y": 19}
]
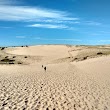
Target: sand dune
[{"x": 68, "y": 84}]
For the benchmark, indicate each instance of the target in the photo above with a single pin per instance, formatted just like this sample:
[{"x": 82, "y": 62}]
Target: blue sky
[{"x": 32, "y": 22}]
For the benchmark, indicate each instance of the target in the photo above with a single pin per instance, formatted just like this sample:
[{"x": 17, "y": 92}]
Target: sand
[{"x": 68, "y": 84}]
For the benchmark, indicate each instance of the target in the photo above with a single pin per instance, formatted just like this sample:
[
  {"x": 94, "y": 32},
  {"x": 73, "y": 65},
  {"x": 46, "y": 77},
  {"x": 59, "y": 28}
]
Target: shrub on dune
[
  {"x": 6, "y": 60},
  {"x": 19, "y": 62},
  {"x": 85, "y": 58},
  {"x": 2, "y": 48},
  {"x": 99, "y": 53},
  {"x": 14, "y": 56},
  {"x": 6, "y": 57},
  {"x": 11, "y": 63},
  {"x": 25, "y": 57}
]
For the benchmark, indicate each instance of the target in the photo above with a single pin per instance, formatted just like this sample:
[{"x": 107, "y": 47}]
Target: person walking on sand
[
  {"x": 42, "y": 66},
  {"x": 45, "y": 68}
]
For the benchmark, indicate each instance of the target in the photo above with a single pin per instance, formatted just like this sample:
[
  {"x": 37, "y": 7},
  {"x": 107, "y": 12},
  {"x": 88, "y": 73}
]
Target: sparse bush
[
  {"x": 2, "y": 48},
  {"x": 14, "y": 56},
  {"x": 6, "y": 57},
  {"x": 19, "y": 62},
  {"x": 99, "y": 53},
  {"x": 25, "y": 57},
  {"x": 75, "y": 58},
  {"x": 85, "y": 58},
  {"x": 26, "y": 46},
  {"x": 11, "y": 63},
  {"x": 7, "y": 60}
]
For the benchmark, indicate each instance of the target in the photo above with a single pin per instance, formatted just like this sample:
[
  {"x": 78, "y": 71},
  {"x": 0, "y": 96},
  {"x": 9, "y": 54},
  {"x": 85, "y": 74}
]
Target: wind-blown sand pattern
[{"x": 71, "y": 82}]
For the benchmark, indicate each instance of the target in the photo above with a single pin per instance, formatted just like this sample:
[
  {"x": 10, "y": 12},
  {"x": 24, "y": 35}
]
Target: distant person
[
  {"x": 42, "y": 66},
  {"x": 45, "y": 68}
]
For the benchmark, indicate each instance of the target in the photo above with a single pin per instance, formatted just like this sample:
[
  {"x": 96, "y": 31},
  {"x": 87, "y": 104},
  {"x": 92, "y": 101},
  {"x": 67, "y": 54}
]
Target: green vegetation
[
  {"x": 6, "y": 60},
  {"x": 91, "y": 52}
]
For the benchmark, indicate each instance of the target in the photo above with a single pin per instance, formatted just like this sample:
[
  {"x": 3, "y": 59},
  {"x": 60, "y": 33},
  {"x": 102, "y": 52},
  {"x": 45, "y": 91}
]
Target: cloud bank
[
  {"x": 39, "y": 17},
  {"x": 26, "y": 13},
  {"x": 49, "y": 26}
]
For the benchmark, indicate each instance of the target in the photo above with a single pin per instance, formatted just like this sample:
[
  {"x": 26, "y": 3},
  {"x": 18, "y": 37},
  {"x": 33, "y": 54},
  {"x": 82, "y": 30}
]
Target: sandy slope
[{"x": 82, "y": 85}]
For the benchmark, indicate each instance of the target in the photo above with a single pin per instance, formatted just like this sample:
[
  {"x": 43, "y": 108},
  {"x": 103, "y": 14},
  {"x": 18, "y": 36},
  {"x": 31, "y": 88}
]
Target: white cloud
[
  {"x": 5, "y": 27},
  {"x": 21, "y": 37},
  {"x": 37, "y": 38},
  {"x": 25, "y": 13},
  {"x": 95, "y": 34},
  {"x": 58, "y": 19},
  {"x": 75, "y": 40},
  {"x": 9, "y": 11},
  {"x": 6, "y": 2},
  {"x": 49, "y": 26},
  {"x": 92, "y": 23},
  {"x": 104, "y": 41},
  {"x": 49, "y": 39},
  {"x": 104, "y": 32}
]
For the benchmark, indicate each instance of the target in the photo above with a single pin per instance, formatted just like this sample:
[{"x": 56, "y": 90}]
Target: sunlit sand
[{"x": 76, "y": 78}]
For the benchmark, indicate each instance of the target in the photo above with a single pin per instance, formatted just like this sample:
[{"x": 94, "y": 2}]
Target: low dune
[{"x": 76, "y": 78}]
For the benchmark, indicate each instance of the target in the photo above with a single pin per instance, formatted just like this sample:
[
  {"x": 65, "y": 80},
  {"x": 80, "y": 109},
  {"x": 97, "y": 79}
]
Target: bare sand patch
[{"x": 66, "y": 85}]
